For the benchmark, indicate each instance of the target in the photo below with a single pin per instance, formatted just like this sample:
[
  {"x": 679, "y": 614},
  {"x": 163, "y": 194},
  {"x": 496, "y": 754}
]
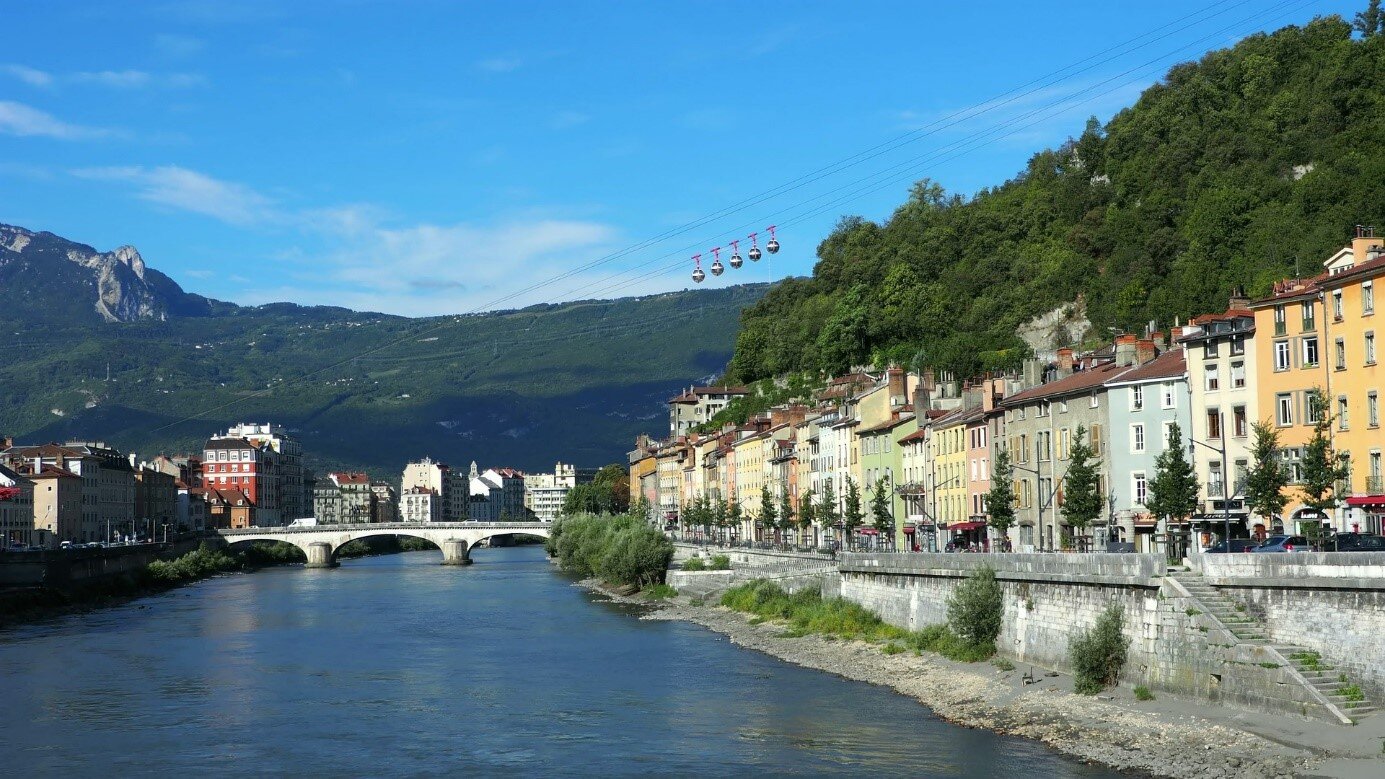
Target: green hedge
[{"x": 621, "y": 549}]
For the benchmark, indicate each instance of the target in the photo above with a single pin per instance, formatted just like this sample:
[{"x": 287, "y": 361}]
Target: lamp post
[
  {"x": 934, "y": 497},
  {"x": 1225, "y": 493}
]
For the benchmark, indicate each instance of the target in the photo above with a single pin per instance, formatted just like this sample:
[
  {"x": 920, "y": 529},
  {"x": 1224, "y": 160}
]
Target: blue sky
[{"x": 441, "y": 157}]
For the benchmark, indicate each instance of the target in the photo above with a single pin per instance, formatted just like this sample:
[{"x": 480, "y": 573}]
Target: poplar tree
[
  {"x": 807, "y": 513},
  {"x": 1322, "y": 468},
  {"x": 1173, "y": 492},
  {"x": 852, "y": 517},
  {"x": 1000, "y": 501},
  {"x": 882, "y": 519},
  {"x": 786, "y": 512},
  {"x": 1082, "y": 500},
  {"x": 1267, "y": 477},
  {"x": 767, "y": 511}
]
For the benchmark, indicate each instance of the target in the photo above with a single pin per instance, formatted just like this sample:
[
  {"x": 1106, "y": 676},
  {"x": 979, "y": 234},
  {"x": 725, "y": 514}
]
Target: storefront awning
[
  {"x": 1367, "y": 501},
  {"x": 966, "y": 525},
  {"x": 909, "y": 530},
  {"x": 868, "y": 531}
]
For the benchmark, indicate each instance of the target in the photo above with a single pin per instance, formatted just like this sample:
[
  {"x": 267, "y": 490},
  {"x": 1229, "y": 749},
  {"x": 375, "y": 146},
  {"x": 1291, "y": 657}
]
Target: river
[{"x": 398, "y": 666}]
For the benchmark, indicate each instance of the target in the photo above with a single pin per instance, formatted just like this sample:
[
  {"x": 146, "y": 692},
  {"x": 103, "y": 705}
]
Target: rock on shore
[{"x": 1107, "y": 729}]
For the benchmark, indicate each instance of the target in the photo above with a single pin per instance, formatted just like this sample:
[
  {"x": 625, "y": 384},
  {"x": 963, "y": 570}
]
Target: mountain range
[{"x": 103, "y": 346}]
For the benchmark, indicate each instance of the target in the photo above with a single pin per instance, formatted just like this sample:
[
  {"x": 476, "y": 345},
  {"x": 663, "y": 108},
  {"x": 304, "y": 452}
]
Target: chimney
[
  {"x": 1363, "y": 243},
  {"x": 1160, "y": 340},
  {"x": 1064, "y": 362},
  {"x": 1175, "y": 333},
  {"x": 1144, "y": 350},
  {"x": 1033, "y": 374},
  {"x": 1239, "y": 300},
  {"x": 1125, "y": 350},
  {"x": 899, "y": 388}
]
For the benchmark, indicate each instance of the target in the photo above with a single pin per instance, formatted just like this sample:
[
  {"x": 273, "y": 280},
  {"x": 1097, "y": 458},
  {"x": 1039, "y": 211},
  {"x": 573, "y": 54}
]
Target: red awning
[
  {"x": 869, "y": 531},
  {"x": 909, "y": 530},
  {"x": 1366, "y": 500},
  {"x": 7, "y": 493},
  {"x": 966, "y": 526}
]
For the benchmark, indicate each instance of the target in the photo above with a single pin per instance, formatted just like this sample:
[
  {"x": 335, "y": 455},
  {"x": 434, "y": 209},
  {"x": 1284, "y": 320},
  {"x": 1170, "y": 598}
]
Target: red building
[{"x": 235, "y": 464}]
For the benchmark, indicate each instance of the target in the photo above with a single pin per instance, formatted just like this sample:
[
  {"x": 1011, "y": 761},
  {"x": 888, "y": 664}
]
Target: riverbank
[
  {"x": 1165, "y": 737},
  {"x": 31, "y": 604}
]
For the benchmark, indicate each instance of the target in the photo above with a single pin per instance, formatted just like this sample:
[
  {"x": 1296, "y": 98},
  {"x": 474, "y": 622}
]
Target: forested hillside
[{"x": 1248, "y": 166}]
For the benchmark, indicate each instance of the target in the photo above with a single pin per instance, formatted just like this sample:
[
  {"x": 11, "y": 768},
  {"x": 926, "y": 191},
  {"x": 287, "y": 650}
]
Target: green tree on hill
[
  {"x": 1082, "y": 498},
  {"x": 1266, "y": 478},
  {"x": 1000, "y": 501},
  {"x": 1323, "y": 468},
  {"x": 1173, "y": 491}
]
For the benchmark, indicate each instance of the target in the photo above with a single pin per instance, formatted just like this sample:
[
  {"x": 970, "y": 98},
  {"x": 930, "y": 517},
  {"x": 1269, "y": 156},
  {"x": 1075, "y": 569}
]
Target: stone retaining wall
[
  {"x": 1330, "y": 602},
  {"x": 1051, "y": 598}
]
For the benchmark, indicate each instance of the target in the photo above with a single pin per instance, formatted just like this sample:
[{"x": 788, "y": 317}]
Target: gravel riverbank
[{"x": 1166, "y": 737}]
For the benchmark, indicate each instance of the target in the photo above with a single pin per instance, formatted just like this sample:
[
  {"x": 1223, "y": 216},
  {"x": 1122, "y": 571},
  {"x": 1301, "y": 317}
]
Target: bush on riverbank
[
  {"x": 975, "y": 610},
  {"x": 258, "y": 554},
  {"x": 197, "y": 564},
  {"x": 694, "y": 564},
  {"x": 719, "y": 562},
  {"x": 1098, "y": 654},
  {"x": 807, "y": 611},
  {"x": 620, "y": 550}
]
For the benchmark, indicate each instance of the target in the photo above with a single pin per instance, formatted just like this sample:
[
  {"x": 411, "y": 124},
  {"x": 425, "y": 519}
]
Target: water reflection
[{"x": 398, "y": 666}]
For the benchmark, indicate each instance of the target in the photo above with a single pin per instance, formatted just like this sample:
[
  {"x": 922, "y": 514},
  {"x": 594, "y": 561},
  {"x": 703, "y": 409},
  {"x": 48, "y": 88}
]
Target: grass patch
[
  {"x": 1268, "y": 665},
  {"x": 1352, "y": 692},
  {"x": 694, "y": 564},
  {"x": 1311, "y": 661},
  {"x": 697, "y": 602},
  {"x": 892, "y": 649},
  {"x": 1193, "y": 612},
  {"x": 1003, "y": 664},
  {"x": 660, "y": 592},
  {"x": 758, "y": 620},
  {"x": 720, "y": 562},
  {"x": 807, "y": 612},
  {"x": 1142, "y": 693}
]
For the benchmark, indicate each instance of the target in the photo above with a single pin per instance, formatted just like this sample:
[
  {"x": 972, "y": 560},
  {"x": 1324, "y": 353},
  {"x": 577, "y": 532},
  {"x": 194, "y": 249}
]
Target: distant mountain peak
[{"x": 47, "y": 276}]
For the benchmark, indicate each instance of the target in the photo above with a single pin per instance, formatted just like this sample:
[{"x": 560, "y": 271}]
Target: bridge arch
[
  {"x": 320, "y": 543},
  {"x": 338, "y": 544}
]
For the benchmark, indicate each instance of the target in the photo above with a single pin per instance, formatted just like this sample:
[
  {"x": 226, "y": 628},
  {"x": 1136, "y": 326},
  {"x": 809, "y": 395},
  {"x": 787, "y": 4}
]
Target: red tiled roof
[
  {"x": 1077, "y": 382},
  {"x": 350, "y": 478},
  {"x": 1165, "y": 366},
  {"x": 917, "y": 435}
]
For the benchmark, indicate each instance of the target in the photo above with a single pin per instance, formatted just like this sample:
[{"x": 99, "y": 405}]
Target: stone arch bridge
[{"x": 321, "y": 542}]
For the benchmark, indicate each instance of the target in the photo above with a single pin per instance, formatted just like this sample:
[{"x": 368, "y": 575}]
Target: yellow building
[
  {"x": 947, "y": 449},
  {"x": 1320, "y": 335},
  {"x": 1354, "y": 379}
]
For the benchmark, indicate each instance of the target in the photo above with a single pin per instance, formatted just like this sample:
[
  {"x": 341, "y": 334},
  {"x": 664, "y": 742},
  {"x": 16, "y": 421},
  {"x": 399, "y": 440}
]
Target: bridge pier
[
  {"x": 454, "y": 552},
  {"x": 320, "y": 555}
]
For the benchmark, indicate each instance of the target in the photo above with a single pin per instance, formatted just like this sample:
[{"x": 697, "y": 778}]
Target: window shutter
[{"x": 1094, "y": 436}]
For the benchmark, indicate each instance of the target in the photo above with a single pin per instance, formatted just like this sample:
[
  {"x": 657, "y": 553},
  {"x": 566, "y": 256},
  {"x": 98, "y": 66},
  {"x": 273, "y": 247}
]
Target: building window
[
  {"x": 1310, "y": 352},
  {"x": 1141, "y": 490},
  {"x": 1372, "y": 409},
  {"x": 1238, "y": 421},
  {"x": 1062, "y": 407},
  {"x": 1137, "y": 438},
  {"x": 1342, "y": 423},
  {"x": 1064, "y": 444},
  {"x": 1238, "y": 346},
  {"x": 1210, "y": 351},
  {"x": 1336, "y": 305},
  {"x": 1168, "y": 396},
  {"x": 1308, "y": 316},
  {"x": 1370, "y": 348},
  {"x": 1212, "y": 382},
  {"x": 1311, "y": 412},
  {"x": 1216, "y": 485},
  {"x": 1339, "y": 354},
  {"x": 1095, "y": 402},
  {"x": 1238, "y": 375},
  {"x": 1284, "y": 409},
  {"x": 1280, "y": 321},
  {"x": 1367, "y": 298},
  {"x": 1137, "y": 397},
  {"x": 1281, "y": 355},
  {"x": 1213, "y": 423}
]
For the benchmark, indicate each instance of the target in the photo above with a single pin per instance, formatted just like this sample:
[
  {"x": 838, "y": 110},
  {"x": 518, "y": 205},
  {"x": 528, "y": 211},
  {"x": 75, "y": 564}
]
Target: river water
[{"x": 398, "y": 666}]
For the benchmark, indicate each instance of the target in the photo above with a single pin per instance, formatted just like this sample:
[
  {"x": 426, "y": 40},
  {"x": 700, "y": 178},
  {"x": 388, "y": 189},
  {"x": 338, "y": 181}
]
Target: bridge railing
[{"x": 387, "y": 526}]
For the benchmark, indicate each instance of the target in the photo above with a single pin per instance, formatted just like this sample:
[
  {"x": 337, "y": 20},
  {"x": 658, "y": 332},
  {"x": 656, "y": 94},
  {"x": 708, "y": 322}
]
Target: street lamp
[
  {"x": 934, "y": 496},
  {"x": 1225, "y": 468}
]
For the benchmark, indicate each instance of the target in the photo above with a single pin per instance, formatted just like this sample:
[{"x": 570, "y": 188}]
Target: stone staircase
[
  {"x": 1326, "y": 680},
  {"x": 1324, "y": 683}
]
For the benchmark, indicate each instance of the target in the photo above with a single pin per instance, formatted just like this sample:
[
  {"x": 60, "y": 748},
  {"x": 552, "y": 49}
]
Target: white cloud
[
  {"x": 189, "y": 190},
  {"x": 27, "y": 121},
  {"x": 565, "y": 119},
  {"x": 114, "y": 79},
  {"x": 500, "y": 64},
  {"x": 178, "y": 45},
  {"x": 31, "y": 76}
]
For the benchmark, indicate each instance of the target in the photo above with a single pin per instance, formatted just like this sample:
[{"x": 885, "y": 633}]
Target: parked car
[
  {"x": 1284, "y": 544},
  {"x": 1237, "y": 545},
  {"x": 1356, "y": 542}
]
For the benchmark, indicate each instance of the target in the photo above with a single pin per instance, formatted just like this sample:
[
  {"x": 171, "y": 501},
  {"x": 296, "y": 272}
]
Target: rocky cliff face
[{"x": 43, "y": 275}]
